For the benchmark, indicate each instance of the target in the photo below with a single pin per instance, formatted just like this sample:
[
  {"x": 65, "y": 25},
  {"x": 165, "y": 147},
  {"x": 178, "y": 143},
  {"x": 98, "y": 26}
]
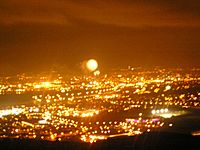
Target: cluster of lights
[
  {"x": 158, "y": 111},
  {"x": 92, "y": 138},
  {"x": 12, "y": 111},
  {"x": 164, "y": 113}
]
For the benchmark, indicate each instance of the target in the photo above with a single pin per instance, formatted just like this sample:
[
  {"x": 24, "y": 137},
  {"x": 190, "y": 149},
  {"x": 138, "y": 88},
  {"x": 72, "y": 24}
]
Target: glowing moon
[{"x": 92, "y": 65}]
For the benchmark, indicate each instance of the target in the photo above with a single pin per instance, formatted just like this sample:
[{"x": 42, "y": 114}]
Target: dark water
[
  {"x": 185, "y": 124},
  {"x": 15, "y": 99}
]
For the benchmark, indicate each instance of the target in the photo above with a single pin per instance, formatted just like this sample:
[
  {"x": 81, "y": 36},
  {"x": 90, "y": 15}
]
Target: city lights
[{"x": 92, "y": 108}]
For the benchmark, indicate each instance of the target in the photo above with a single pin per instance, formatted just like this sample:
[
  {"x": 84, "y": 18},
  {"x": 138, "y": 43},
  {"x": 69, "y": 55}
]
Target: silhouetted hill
[{"x": 147, "y": 141}]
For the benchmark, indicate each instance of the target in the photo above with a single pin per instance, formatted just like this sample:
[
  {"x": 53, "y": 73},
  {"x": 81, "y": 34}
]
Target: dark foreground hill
[{"x": 147, "y": 141}]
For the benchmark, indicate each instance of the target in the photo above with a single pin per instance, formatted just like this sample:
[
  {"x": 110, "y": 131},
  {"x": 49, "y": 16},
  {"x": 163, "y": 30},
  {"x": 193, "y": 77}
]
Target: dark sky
[{"x": 45, "y": 34}]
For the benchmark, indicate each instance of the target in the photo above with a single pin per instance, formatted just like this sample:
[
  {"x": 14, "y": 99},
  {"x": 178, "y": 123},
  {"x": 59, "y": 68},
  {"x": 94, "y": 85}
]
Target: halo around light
[{"x": 92, "y": 65}]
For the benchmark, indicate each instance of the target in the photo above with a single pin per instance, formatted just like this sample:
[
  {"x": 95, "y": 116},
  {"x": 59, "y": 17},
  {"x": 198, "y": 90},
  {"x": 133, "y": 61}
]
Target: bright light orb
[{"x": 92, "y": 65}]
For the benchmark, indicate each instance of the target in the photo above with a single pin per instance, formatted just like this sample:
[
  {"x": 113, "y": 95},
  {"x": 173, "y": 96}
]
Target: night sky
[{"x": 40, "y": 35}]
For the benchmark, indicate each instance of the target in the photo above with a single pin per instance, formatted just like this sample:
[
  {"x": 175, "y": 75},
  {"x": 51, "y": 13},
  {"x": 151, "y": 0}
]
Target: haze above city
[{"x": 41, "y": 35}]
